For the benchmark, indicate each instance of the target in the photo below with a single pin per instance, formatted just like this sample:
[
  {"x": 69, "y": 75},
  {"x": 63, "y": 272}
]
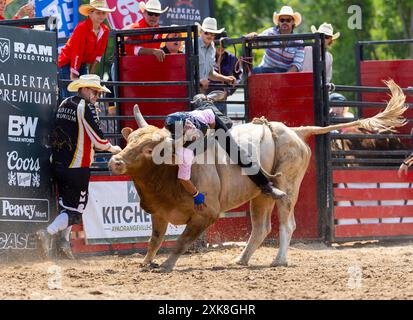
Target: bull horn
[{"x": 138, "y": 117}]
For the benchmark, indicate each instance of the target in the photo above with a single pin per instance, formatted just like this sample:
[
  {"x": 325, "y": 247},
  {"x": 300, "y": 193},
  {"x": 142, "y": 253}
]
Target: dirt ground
[{"x": 358, "y": 271}]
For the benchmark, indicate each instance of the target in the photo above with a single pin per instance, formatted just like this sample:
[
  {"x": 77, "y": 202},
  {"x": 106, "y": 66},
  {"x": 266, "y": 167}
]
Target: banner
[
  {"x": 181, "y": 12},
  {"x": 113, "y": 215},
  {"x": 18, "y": 8},
  {"x": 66, "y": 12},
  {"x": 28, "y": 82}
]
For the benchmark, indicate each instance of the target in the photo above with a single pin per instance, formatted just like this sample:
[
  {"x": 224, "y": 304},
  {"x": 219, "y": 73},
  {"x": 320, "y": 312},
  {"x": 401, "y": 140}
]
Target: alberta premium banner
[
  {"x": 181, "y": 12},
  {"x": 28, "y": 81},
  {"x": 113, "y": 215},
  {"x": 185, "y": 12}
]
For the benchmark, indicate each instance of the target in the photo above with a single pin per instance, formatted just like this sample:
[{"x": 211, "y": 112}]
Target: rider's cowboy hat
[
  {"x": 152, "y": 6},
  {"x": 210, "y": 25},
  {"x": 99, "y": 5},
  {"x": 87, "y": 81},
  {"x": 288, "y": 11},
  {"x": 327, "y": 29}
]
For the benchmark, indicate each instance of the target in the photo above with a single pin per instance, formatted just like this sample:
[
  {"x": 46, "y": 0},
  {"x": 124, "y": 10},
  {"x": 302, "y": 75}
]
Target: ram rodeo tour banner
[{"x": 28, "y": 81}]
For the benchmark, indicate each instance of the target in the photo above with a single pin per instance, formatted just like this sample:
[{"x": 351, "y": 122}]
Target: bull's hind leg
[
  {"x": 194, "y": 228},
  {"x": 261, "y": 209},
  {"x": 159, "y": 226},
  {"x": 286, "y": 225}
]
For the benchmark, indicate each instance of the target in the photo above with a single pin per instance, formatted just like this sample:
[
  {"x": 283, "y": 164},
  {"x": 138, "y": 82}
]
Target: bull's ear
[{"x": 126, "y": 132}]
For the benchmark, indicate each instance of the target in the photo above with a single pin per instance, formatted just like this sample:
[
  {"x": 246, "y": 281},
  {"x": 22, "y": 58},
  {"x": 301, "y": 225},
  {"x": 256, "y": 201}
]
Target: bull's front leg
[
  {"x": 194, "y": 228},
  {"x": 159, "y": 226}
]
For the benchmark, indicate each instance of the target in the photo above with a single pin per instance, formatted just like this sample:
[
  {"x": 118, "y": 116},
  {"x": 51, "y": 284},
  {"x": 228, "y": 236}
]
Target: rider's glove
[{"x": 199, "y": 198}]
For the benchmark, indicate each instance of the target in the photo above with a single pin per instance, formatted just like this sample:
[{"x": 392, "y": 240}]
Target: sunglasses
[
  {"x": 282, "y": 20},
  {"x": 153, "y": 14},
  {"x": 209, "y": 34}
]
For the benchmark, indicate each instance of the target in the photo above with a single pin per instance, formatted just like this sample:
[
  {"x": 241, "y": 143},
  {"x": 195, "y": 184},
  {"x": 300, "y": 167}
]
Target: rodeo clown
[
  {"x": 74, "y": 137},
  {"x": 186, "y": 125}
]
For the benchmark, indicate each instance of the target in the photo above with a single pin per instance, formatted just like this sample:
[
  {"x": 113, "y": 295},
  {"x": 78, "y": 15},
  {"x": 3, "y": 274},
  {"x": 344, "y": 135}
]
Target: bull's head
[{"x": 137, "y": 155}]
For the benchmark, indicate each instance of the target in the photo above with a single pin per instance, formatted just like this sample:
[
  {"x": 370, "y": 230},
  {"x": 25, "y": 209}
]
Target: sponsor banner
[
  {"x": 17, "y": 241},
  {"x": 181, "y": 12},
  {"x": 66, "y": 12},
  {"x": 113, "y": 215},
  {"x": 28, "y": 87},
  {"x": 27, "y": 210},
  {"x": 185, "y": 12}
]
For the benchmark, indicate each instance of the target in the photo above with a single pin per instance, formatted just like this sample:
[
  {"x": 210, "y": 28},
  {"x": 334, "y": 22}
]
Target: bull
[{"x": 282, "y": 149}]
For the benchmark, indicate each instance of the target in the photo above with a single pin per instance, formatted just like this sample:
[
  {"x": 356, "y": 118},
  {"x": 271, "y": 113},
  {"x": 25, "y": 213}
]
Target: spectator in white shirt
[{"x": 330, "y": 36}]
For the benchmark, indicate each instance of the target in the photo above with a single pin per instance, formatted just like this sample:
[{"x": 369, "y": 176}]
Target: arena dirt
[{"x": 367, "y": 271}]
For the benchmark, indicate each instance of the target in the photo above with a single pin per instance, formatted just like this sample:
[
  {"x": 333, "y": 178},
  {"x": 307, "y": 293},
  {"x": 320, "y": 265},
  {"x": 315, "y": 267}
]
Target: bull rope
[{"x": 265, "y": 123}]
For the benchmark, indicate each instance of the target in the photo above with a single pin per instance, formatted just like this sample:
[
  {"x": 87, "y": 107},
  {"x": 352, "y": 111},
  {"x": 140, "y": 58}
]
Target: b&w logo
[
  {"x": 22, "y": 129},
  {"x": 4, "y": 49}
]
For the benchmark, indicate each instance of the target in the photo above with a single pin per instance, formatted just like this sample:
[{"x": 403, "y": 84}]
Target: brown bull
[{"x": 282, "y": 149}]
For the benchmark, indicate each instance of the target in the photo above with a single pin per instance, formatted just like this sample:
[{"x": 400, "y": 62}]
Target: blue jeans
[
  {"x": 268, "y": 70},
  {"x": 64, "y": 74}
]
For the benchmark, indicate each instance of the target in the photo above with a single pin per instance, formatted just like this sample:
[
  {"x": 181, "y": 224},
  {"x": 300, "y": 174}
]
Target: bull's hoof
[
  {"x": 162, "y": 269},
  {"x": 145, "y": 267},
  {"x": 240, "y": 262},
  {"x": 279, "y": 264}
]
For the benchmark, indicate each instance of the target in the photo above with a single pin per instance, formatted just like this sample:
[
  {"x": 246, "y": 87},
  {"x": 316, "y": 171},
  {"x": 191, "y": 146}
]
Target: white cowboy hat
[
  {"x": 152, "y": 6},
  {"x": 87, "y": 81},
  {"x": 99, "y": 5},
  {"x": 210, "y": 25},
  {"x": 287, "y": 11},
  {"x": 327, "y": 29}
]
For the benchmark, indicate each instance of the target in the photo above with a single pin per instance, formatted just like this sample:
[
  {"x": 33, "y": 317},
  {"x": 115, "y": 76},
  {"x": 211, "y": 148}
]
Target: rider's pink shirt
[{"x": 186, "y": 156}]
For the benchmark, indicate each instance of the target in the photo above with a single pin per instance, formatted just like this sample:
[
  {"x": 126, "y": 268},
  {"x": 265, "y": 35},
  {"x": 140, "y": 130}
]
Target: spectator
[
  {"x": 285, "y": 58},
  {"x": 207, "y": 54},
  {"x": 225, "y": 63},
  {"x": 75, "y": 135},
  {"x": 151, "y": 12},
  {"x": 87, "y": 44},
  {"x": 330, "y": 36},
  {"x": 339, "y": 112},
  {"x": 173, "y": 46}
]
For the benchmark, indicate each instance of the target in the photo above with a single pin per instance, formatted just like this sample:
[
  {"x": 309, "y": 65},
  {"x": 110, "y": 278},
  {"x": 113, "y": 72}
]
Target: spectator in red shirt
[
  {"x": 87, "y": 44},
  {"x": 151, "y": 12}
]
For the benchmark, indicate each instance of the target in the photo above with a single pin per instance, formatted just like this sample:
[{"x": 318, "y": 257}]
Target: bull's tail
[{"x": 387, "y": 120}]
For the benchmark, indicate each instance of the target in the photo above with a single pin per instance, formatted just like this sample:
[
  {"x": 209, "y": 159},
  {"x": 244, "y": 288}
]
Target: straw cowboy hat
[
  {"x": 210, "y": 25},
  {"x": 152, "y": 6},
  {"x": 327, "y": 29},
  {"x": 288, "y": 11},
  {"x": 99, "y": 5},
  {"x": 87, "y": 81}
]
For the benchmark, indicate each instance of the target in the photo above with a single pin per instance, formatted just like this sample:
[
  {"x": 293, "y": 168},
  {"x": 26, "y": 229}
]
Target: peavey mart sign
[{"x": 28, "y": 83}]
